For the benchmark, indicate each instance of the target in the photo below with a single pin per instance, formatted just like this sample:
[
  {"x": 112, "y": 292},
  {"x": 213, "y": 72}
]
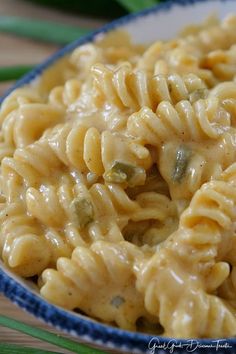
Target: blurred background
[
  {"x": 17, "y": 50},
  {"x": 31, "y": 30}
]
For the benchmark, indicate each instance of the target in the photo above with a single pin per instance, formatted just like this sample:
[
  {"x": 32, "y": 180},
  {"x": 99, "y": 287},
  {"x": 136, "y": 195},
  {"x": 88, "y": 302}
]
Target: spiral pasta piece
[
  {"x": 34, "y": 120},
  {"x": 129, "y": 89},
  {"x": 19, "y": 233},
  {"x": 225, "y": 93},
  {"x": 84, "y": 57},
  {"x": 90, "y": 151},
  {"x": 51, "y": 206},
  {"x": 222, "y": 63},
  {"x": 31, "y": 163},
  {"x": 59, "y": 233},
  {"x": 18, "y": 98},
  {"x": 65, "y": 97},
  {"x": 98, "y": 281},
  {"x": 204, "y": 119},
  {"x": 114, "y": 48}
]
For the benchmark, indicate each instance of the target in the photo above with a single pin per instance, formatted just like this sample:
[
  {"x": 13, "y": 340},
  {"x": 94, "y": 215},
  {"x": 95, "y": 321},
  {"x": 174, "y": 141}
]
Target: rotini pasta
[
  {"x": 118, "y": 182},
  {"x": 131, "y": 89},
  {"x": 82, "y": 282},
  {"x": 222, "y": 63},
  {"x": 19, "y": 234},
  {"x": 34, "y": 120}
]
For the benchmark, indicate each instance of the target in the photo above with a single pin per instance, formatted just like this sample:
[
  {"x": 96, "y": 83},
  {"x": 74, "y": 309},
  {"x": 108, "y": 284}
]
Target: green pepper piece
[
  {"x": 122, "y": 172},
  {"x": 183, "y": 154},
  {"x": 83, "y": 209}
]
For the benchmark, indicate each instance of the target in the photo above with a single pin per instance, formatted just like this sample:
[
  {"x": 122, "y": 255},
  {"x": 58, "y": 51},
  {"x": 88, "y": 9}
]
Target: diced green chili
[
  {"x": 117, "y": 301},
  {"x": 122, "y": 172},
  {"x": 83, "y": 210},
  {"x": 198, "y": 94},
  {"x": 183, "y": 154}
]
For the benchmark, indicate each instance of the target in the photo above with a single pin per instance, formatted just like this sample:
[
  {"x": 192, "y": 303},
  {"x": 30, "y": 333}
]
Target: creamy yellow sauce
[{"x": 118, "y": 182}]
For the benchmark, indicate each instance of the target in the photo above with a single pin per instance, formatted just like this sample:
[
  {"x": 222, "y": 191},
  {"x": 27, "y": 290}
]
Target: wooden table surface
[{"x": 23, "y": 51}]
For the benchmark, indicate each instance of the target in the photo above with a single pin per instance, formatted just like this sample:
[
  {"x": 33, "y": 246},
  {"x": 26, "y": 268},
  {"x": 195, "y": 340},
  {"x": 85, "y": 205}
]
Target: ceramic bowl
[{"x": 161, "y": 22}]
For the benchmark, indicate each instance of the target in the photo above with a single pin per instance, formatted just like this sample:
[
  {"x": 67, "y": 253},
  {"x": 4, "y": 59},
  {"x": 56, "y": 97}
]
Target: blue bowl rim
[{"x": 85, "y": 328}]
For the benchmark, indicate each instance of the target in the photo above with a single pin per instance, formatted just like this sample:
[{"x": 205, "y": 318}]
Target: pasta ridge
[
  {"x": 132, "y": 89},
  {"x": 185, "y": 121}
]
